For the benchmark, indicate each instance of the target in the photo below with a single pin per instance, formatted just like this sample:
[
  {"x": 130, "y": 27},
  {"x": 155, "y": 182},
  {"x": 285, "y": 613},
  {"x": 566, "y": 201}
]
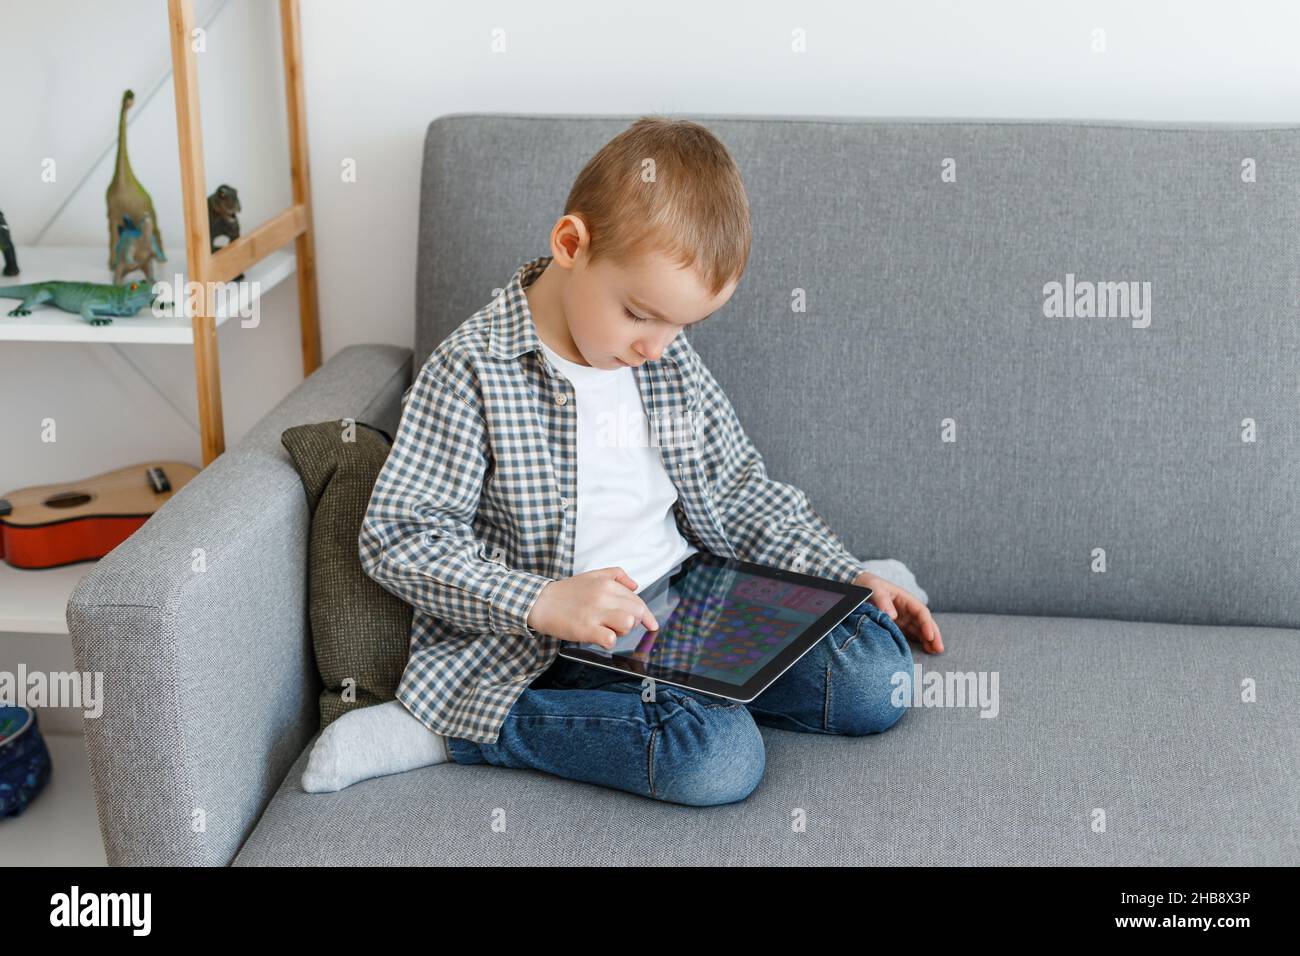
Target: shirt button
[
  {"x": 561, "y": 399},
  {"x": 564, "y": 502}
]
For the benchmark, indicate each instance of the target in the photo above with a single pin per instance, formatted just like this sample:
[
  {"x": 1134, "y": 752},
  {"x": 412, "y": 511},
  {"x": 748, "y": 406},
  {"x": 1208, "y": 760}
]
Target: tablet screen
[{"x": 720, "y": 623}]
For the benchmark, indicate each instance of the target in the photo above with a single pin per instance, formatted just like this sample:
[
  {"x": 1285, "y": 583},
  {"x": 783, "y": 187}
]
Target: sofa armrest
[{"x": 198, "y": 623}]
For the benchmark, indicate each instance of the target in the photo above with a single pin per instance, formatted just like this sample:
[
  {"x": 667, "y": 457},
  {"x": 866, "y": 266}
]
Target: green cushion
[{"x": 361, "y": 633}]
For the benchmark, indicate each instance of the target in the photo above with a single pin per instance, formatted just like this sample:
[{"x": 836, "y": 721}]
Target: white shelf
[
  {"x": 35, "y": 601},
  {"x": 87, "y": 264}
]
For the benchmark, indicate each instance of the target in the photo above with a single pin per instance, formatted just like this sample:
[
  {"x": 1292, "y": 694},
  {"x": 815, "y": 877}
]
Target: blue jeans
[{"x": 586, "y": 723}]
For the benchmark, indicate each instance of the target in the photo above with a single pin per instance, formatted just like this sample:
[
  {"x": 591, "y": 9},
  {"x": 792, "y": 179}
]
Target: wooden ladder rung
[{"x": 257, "y": 245}]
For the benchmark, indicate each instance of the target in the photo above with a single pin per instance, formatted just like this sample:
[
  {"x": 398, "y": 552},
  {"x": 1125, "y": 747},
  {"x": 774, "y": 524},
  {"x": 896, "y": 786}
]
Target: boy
[{"x": 511, "y": 521}]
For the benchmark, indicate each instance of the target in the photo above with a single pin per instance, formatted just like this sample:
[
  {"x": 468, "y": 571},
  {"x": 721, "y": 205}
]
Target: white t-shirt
[{"x": 625, "y": 515}]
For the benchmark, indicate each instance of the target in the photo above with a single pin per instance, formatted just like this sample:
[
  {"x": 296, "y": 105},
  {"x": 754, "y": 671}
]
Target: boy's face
[{"x": 604, "y": 303}]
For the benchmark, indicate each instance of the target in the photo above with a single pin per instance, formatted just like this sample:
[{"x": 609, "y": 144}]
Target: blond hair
[{"x": 668, "y": 186}]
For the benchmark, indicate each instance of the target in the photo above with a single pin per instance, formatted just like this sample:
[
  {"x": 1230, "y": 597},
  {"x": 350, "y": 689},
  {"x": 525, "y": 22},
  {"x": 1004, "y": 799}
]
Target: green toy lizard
[{"x": 95, "y": 302}]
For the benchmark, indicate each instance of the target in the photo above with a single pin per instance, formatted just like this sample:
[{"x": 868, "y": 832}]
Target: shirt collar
[{"x": 513, "y": 332}]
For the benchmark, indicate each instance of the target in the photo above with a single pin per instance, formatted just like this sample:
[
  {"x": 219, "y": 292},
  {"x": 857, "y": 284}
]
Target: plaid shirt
[{"x": 473, "y": 512}]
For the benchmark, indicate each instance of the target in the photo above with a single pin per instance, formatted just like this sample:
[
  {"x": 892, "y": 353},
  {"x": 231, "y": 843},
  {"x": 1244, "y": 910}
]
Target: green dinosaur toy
[
  {"x": 93, "y": 301},
  {"x": 126, "y": 197},
  {"x": 135, "y": 250}
]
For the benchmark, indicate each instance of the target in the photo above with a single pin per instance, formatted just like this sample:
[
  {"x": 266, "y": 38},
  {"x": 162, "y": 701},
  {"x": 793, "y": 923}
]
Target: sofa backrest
[{"x": 897, "y": 348}]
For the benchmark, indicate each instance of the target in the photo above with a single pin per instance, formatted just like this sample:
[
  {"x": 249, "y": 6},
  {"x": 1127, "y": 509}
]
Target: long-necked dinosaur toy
[{"x": 127, "y": 199}]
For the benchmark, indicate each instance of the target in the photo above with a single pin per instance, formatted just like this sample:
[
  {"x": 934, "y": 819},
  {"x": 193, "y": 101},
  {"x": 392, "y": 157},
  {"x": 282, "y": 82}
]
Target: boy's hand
[
  {"x": 596, "y": 607},
  {"x": 912, "y": 617}
]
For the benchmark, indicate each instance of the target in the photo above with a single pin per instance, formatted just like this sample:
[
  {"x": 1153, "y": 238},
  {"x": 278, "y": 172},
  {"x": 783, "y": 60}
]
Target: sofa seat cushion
[{"x": 1144, "y": 723}]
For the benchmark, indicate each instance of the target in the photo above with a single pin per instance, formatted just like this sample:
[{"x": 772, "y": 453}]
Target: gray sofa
[{"x": 1079, "y": 496}]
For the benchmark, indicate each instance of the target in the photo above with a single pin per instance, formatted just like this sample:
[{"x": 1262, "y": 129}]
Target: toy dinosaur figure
[
  {"x": 126, "y": 197},
  {"x": 223, "y": 218},
  {"x": 7, "y": 248},
  {"x": 94, "y": 301},
  {"x": 134, "y": 249}
]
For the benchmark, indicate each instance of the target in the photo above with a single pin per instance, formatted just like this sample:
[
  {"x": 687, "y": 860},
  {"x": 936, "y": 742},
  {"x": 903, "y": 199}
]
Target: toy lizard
[{"x": 93, "y": 301}]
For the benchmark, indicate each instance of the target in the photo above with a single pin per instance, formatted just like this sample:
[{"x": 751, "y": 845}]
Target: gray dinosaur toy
[{"x": 7, "y": 248}]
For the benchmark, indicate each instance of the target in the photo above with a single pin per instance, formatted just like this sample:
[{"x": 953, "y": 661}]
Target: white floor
[{"x": 59, "y": 827}]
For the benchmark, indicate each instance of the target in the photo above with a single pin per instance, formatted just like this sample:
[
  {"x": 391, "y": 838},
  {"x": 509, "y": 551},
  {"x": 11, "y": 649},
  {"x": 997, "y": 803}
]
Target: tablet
[{"x": 726, "y": 627}]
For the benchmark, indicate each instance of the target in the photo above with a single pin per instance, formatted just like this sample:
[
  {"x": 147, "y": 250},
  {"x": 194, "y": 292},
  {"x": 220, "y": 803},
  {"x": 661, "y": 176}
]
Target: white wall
[{"x": 378, "y": 71}]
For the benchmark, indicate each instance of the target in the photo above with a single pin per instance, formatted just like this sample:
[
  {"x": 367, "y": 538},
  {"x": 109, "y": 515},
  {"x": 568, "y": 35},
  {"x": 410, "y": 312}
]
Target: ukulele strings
[{"x": 24, "y": 496}]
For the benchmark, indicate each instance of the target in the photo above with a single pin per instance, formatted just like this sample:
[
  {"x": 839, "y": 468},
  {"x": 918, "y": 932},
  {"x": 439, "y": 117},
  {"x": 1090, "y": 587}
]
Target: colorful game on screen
[{"x": 725, "y": 625}]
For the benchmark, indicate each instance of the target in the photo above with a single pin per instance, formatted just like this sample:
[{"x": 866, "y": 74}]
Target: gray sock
[{"x": 371, "y": 742}]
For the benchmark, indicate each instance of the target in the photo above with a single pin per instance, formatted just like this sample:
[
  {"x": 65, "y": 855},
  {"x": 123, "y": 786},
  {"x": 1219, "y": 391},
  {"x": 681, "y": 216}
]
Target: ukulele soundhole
[{"x": 67, "y": 499}]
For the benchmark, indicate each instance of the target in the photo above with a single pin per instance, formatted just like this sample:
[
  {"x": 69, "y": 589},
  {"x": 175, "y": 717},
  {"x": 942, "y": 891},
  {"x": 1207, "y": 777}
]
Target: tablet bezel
[{"x": 852, "y": 597}]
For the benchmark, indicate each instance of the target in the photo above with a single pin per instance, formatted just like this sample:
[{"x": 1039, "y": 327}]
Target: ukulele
[{"x": 45, "y": 526}]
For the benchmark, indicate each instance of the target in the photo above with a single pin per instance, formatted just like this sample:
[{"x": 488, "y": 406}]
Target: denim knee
[
  {"x": 867, "y": 695},
  {"x": 706, "y": 753}
]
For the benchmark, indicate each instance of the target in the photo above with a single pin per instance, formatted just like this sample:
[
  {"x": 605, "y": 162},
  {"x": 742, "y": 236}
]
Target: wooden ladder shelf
[{"x": 293, "y": 224}]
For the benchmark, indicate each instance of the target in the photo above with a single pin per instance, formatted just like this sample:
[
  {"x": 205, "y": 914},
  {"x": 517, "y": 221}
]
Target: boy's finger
[
  {"x": 923, "y": 626},
  {"x": 648, "y": 620},
  {"x": 916, "y": 623},
  {"x": 932, "y": 629}
]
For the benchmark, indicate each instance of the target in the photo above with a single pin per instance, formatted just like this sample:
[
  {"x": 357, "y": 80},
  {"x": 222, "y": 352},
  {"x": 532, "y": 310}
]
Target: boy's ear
[{"x": 567, "y": 237}]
